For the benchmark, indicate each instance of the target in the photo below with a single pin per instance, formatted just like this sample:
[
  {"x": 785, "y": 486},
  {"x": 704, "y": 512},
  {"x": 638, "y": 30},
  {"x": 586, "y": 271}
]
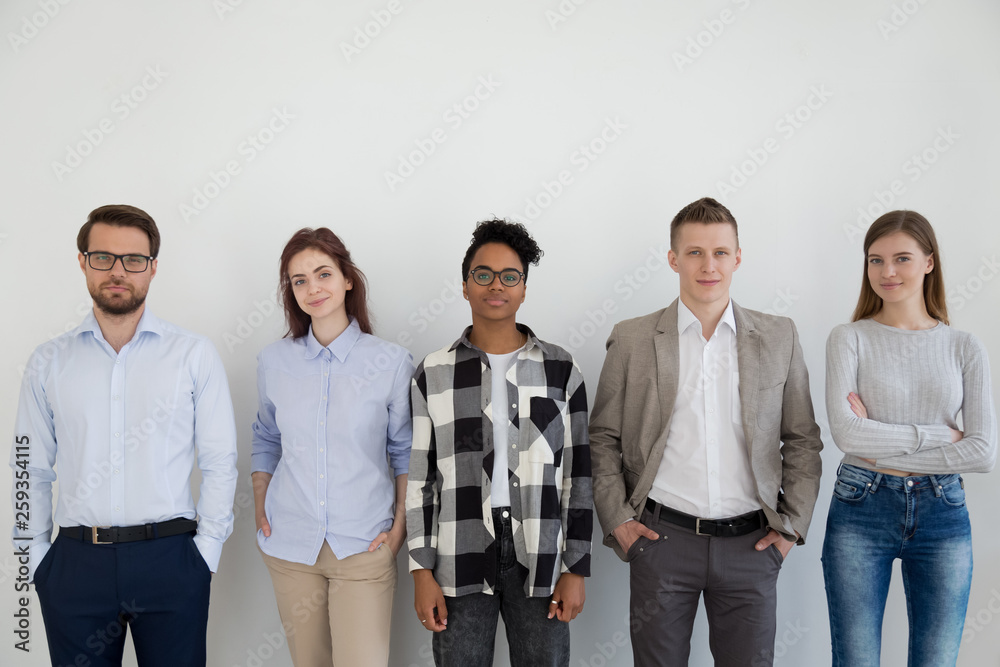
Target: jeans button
[{"x": 506, "y": 514}]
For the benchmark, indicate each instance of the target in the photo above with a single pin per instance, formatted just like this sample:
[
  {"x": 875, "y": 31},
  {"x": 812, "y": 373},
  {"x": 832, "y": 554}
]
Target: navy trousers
[{"x": 90, "y": 594}]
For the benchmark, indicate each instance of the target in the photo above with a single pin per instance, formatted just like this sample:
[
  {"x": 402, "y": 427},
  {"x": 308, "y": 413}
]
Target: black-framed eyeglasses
[
  {"x": 105, "y": 261},
  {"x": 484, "y": 275}
]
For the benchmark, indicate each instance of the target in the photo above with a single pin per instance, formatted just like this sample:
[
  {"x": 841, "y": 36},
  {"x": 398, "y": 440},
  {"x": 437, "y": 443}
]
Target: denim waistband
[{"x": 910, "y": 483}]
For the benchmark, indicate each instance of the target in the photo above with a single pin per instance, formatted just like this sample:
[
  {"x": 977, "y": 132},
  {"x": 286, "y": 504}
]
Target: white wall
[{"x": 889, "y": 81}]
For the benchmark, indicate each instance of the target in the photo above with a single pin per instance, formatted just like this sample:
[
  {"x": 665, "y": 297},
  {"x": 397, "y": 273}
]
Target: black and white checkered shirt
[{"x": 448, "y": 511}]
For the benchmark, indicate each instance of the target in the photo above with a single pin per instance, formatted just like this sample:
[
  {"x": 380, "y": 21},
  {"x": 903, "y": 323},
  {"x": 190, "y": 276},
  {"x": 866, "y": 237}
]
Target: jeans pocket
[
  {"x": 850, "y": 490},
  {"x": 953, "y": 494}
]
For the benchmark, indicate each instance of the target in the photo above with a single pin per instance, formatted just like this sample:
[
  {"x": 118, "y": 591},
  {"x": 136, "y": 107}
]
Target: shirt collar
[
  {"x": 686, "y": 319},
  {"x": 533, "y": 340},
  {"x": 340, "y": 347},
  {"x": 147, "y": 322}
]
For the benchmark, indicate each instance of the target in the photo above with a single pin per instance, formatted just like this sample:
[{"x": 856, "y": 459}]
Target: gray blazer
[{"x": 635, "y": 401}]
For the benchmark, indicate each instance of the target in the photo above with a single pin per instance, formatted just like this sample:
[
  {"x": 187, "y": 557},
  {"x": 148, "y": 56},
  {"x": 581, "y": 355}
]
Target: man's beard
[{"x": 117, "y": 304}]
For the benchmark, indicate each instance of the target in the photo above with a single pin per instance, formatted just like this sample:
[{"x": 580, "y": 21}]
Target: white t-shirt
[{"x": 499, "y": 364}]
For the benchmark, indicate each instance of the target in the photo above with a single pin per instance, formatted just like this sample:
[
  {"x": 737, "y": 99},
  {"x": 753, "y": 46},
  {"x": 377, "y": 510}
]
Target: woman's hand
[
  {"x": 392, "y": 538},
  {"x": 432, "y": 612},
  {"x": 568, "y": 597},
  {"x": 857, "y": 406},
  {"x": 260, "y": 481}
]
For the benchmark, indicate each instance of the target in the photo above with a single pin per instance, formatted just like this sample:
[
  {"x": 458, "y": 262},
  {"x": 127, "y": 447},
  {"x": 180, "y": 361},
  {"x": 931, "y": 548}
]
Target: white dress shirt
[
  {"x": 121, "y": 429},
  {"x": 705, "y": 470}
]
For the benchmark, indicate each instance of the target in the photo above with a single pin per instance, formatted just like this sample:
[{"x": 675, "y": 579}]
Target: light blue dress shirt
[
  {"x": 331, "y": 422},
  {"x": 122, "y": 430}
]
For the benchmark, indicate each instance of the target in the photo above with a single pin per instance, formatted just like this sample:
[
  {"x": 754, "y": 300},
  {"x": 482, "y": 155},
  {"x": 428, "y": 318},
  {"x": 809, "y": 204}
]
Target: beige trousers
[{"x": 336, "y": 613}]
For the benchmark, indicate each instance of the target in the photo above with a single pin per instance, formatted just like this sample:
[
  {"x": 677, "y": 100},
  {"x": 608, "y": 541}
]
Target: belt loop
[
  {"x": 155, "y": 530},
  {"x": 150, "y": 531},
  {"x": 876, "y": 482},
  {"x": 936, "y": 485},
  {"x": 656, "y": 512},
  {"x": 839, "y": 468}
]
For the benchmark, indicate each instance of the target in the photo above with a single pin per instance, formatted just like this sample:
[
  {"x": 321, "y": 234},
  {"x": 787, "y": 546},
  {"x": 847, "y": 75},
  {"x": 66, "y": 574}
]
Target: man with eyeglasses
[
  {"x": 498, "y": 499},
  {"x": 118, "y": 409}
]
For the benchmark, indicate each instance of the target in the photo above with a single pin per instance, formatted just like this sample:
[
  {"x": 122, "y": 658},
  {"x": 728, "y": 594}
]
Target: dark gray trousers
[{"x": 668, "y": 577}]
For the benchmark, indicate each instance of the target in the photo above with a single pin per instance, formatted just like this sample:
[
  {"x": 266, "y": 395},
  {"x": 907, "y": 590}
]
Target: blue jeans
[
  {"x": 875, "y": 519},
  {"x": 535, "y": 640}
]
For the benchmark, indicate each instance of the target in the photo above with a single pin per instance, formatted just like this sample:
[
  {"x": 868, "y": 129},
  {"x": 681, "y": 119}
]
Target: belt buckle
[
  {"x": 93, "y": 534},
  {"x": 697, "y": 528}
]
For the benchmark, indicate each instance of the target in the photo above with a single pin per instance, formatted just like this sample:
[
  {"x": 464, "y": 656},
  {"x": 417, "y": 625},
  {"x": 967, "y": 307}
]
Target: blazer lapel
[
  {"x": 748, "y": 352},
  {"x": 667, "y": 366}
]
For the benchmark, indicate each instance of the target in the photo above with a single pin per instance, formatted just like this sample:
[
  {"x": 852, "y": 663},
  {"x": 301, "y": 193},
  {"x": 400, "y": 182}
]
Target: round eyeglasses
[
  {"x": 104, "y": 261},
  {"x": 484, "y": 276}
]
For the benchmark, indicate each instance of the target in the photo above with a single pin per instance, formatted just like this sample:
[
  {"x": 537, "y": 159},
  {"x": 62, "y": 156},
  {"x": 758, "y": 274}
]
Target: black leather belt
[
  {"x": 114, "y": 534},
  {"x": 731, "y": 527}
]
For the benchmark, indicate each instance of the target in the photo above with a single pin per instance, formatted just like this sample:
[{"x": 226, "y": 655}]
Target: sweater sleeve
[
  {"x": 868, "y": 438},
  {"x": 977, "y": 450}
]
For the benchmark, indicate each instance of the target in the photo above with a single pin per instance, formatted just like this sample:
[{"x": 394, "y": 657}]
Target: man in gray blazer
[{"x": 705, "y": 455}]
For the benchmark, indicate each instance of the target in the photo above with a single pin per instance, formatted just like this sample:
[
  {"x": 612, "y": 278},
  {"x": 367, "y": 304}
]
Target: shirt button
[
  {"x": 321, "y": 423},
  {"x": 324, "y": 398},
  {"x": 513, "y": 446},
  {"x": 711, "y": 411},
  {"x": 321, "y": 503},
  {"x": 320, "y": 449},
  {"x": 514, "y": 484},
  {"x": 321, "y": 476},
  {"x": 116, "y": 397},
  {"x": 506, "y": 514},
  {"x": 118, "y": 509},
  {"x": 116, "y": 471},
  {"x": 118, "y": 361},
  {"x": 117, "y": 434},
  {"x": 513, "y": 405}
]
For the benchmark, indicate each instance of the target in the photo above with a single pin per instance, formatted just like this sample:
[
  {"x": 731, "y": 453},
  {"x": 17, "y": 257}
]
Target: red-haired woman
[{"x": 333, "y": 408}]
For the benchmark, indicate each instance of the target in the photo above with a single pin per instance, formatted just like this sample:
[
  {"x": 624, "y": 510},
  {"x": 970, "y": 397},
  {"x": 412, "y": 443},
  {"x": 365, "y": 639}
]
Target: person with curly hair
[{"x": 498, "y": 501}]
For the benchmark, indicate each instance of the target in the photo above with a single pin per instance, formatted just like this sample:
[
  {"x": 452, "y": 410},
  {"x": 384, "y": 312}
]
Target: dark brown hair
[
  {"x": 706, "y": 211},
  {"x": 917, "y": 227},
  {"x": 356, "y": 299},
  {"x": 120, "y": 215}
]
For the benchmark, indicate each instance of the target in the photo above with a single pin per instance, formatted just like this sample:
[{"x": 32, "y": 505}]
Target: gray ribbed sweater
[{"x": 913, "y": 384}]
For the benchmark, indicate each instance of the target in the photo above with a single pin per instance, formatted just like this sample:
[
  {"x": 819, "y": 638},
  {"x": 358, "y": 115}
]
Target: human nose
[
  {"x": 119, "y": 262},
  {"x": 496, "y": 283}
]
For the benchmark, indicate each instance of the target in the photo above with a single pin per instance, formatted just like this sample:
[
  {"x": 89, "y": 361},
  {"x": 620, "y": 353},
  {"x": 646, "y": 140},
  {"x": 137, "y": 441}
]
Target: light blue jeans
[{"x": 875, "y": 519}]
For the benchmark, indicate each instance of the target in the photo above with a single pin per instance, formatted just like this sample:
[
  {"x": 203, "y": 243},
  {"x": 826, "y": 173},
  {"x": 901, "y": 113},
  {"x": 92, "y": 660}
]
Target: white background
[{"x": 885, "y": 81}]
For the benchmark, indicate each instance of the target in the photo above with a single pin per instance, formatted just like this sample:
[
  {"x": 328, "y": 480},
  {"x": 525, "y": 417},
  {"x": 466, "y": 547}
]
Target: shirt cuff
[{"x": 210, "y": 549}]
